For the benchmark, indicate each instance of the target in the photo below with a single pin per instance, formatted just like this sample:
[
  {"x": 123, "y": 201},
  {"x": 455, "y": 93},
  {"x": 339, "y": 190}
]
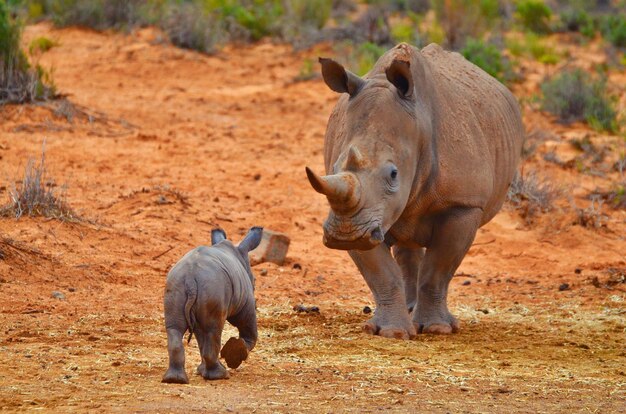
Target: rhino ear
[
  {"x": 251, "y": 241},
  {"x": 217, "y": 235},
  {"x": 338, "y": 79},
  {"x": 399, "y": 74}
]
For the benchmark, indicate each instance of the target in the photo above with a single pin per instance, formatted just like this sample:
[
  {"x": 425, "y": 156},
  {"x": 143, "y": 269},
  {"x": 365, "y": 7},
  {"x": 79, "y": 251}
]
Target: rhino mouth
[{"x": 365, "y": 238}]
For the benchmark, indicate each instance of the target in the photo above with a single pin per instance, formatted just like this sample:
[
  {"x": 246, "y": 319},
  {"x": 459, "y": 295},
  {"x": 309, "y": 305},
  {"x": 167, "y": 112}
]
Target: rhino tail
[{"x": 192, "y": 294}]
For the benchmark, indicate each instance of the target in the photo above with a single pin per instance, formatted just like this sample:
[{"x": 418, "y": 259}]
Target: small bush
[
  {"x": 576, "y": 20},
  {"x": 19, "y": 81},
  {"x": 41, "y": 45},
  {"x": 190, "y": 26},
  {"x": 97, "y": 14},
  {"x": 573, "y": 95},
  {"x": 37, "y": 195},
  {"x": 532, "y": 46},
  {"x": 531, "y": 195},
  {"x": 461, "y": 19},
  {"x": 613, "y": 28},
  {"x": 534, "y": 15},
  {"x": 486, "y": 56}
]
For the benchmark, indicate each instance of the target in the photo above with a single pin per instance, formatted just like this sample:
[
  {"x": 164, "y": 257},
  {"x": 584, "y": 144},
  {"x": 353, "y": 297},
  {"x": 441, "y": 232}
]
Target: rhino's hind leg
[
  {"x": 453, "y": 235},
  {"x": 384, "y": 278},
  {"x": 409, "y": 261},
  {"x": 209, "y": 342},
  {"x": 175, "y": 373}
]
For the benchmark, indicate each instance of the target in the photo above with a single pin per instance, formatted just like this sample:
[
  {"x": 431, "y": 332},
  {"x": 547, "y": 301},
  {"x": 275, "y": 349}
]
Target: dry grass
[
  {"x": 38, "y": 195},
  {"x": 531, "y": 195}
]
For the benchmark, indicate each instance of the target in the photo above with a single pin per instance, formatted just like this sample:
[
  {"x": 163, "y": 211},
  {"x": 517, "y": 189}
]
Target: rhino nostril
[{"x": 377, "y": 234}]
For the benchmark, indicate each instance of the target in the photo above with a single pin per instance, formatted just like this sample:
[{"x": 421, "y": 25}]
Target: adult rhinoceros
[{"x": 419, "y": 154}]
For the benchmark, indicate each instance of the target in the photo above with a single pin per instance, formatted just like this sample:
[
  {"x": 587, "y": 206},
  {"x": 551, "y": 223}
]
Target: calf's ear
[
  {"x": 338, "y": 79},
  {"x": 251, "y": 241},
  {"x": 217, "y": 235}
]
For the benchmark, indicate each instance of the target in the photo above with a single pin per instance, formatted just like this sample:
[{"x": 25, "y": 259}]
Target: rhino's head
[{"x": 371, "y": 168}]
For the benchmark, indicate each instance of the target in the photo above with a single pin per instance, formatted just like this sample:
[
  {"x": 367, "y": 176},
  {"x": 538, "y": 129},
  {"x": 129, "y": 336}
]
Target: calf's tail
[{"x": 191, "y": 289}]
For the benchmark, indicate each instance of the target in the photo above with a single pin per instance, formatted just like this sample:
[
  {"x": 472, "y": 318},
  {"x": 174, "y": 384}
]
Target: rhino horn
[
  {"x": 342, "y": 190},
  {"x": 355, "y": 159}
]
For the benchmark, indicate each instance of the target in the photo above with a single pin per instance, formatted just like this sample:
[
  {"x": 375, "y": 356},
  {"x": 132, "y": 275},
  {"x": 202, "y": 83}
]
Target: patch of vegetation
[
  {"x": 573, "y": 95},
  {"x": 486, "y": 56},
  {"x": 532, "y": 46},
  {"x": 461, "y": 19},
  {"x": 591, "y": 217},
  {"x": 41, "y": 45},
  {"x": 576, "y": 19},
  {"x": 533, "y": 15},
  {"x": 360, "y": 58},
  {"x": 531, "y": 195},
  {"x": 95, "y": 14},
  {"x": 613, "y": 28},
  {"x": 37, "y": 195},
  {"x": 19, "y": 81},
  {"x": 191, "y": 26}
]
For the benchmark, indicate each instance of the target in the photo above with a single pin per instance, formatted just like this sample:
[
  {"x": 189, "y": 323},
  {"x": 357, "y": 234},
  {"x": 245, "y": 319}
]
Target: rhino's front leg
[
  {"x": 409, "y": 260},
  {"x": 453, "y": 235},
  {"x": 384, "y": 278}
]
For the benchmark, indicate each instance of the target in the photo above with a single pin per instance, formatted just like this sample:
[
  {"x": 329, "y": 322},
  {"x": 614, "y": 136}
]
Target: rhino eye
[{"x": 394, "y": 174}]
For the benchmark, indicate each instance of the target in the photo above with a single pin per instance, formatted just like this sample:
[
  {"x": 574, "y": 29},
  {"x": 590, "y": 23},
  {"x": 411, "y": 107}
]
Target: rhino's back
[
  {"x": 478, "y": 130},
  {"x": 217, "y": 274}
]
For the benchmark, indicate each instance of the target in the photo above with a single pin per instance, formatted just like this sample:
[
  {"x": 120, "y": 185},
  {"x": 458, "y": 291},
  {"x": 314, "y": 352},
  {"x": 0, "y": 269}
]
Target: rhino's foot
[
  {"x": 234, "y": 352},
  {"x": 441, "y": 326},
  {"x": 217, "y": 371},
  {"x": 398, "y": 328},
  {"x": 175, "y": 376}
]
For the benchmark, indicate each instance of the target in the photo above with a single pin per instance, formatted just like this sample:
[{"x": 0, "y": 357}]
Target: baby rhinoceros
[{"x": 208, "y": 286}]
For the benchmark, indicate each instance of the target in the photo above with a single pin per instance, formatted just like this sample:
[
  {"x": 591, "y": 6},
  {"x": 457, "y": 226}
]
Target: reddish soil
[{"x": 181, "y": 142}]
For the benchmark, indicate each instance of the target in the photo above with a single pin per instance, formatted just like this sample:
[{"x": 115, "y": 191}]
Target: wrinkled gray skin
[
  {"x": 419, "y": 154},
  {"x": 208, "y": 286}
]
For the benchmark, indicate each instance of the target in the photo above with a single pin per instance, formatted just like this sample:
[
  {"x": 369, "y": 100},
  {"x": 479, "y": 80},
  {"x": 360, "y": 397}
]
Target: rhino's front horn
[{"x": 343, "y": 190}]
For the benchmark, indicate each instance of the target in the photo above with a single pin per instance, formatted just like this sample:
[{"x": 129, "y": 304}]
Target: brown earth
[{"x": 179, "y": 142}]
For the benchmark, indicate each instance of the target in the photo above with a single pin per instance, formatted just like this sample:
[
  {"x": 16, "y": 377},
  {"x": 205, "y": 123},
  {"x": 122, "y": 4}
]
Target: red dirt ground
[{"x": 181, "y": 142}]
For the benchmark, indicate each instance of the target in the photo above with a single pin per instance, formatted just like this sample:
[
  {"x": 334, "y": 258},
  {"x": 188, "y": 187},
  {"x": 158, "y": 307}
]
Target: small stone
[
  {"x": 273, "y": 248},
  {"x": 485, "y": 311},
  {"x": 297, "y": 266},
  {"x": 71, "y": 289},
  {"x": 578, "y": 270},
  {"x": 58, "y": 295},
  {"x": 263, "y": 272},
  {"x": 257, "y": 177},
  {"x": 564, "y": 286},
  {"x": 466, "y": 283},
  {"x": 367, "y": 310},
  {"x": 306, "y": 309}
]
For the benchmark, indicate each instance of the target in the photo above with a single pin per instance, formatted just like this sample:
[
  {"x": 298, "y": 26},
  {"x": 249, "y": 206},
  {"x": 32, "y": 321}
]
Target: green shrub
[
  {"x": 41, "y": 45},
  {"x": 190, "y": 26},
  {"x": 576, "y": 20},
  {"x": 96, "y": 14},
  {"x": 613, "y": 28},
  {"x": 532, "y": 46},
  {"x": 461, "y": 19},
  {"x": 573, "y": 95},
  {"x": 359, "y": 57},
  {"x": 534, "y": 15},
  {"x": 257, "y": 18},
  {"x": 19, "y": 81},
  {"x": 486, "y": 56}
]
